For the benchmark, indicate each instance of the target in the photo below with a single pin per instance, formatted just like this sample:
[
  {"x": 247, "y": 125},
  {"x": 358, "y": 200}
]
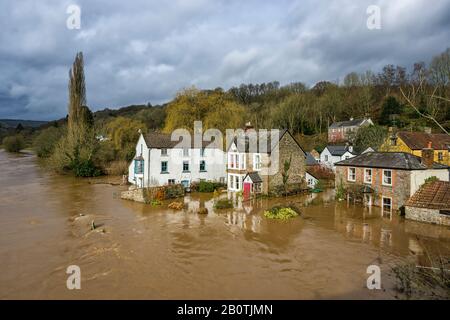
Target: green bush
[
  {"x": 281, "y": 213},
  {"x": 223, "y": 204},
  {"x": 14, "y": 143},
  {"x": 45, "y": 142},
  {"x": 85, "y": 168},
  {"x": 207, "y": 186}
]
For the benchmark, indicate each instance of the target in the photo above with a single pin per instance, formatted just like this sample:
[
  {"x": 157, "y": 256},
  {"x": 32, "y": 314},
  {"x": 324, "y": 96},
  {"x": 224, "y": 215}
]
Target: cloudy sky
[{"x": 145, "y": 51}]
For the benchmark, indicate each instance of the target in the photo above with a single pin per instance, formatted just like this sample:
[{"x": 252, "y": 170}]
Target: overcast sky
[{"x": 145, "y": 51}]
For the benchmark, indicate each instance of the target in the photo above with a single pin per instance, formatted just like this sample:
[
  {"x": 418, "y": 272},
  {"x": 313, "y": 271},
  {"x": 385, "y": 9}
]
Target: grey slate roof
[
  {"x": 310, "y": 160},
  {"x": 159, "y": 140},
  {"x": 256, "y": 178},
  {"x": 348, "y": 123},
  {"x": 338, "y": 150},
  {"x": 388, "y": 160}
]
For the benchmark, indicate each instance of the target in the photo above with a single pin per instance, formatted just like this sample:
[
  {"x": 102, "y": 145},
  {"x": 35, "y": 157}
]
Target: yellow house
[{"x": 414, "y": 142}]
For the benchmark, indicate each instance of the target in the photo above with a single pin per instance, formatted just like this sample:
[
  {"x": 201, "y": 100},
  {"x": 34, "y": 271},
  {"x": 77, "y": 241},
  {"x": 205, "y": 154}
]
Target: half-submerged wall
[{"x": 147, "y": 195}]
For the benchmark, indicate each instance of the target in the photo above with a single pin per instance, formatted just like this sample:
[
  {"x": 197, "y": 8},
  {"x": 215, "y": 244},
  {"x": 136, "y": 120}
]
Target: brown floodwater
[{"x": 152, "y": 252}]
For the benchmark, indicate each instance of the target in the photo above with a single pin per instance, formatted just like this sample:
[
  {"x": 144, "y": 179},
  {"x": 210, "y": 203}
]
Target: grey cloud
[{"x": 145, "y": 51}]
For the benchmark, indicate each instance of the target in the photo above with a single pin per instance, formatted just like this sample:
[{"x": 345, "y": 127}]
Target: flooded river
[{"x": 151, "y": 252}]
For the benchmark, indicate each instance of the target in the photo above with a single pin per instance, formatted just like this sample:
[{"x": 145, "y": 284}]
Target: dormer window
[{"x": 163, "y": 152}]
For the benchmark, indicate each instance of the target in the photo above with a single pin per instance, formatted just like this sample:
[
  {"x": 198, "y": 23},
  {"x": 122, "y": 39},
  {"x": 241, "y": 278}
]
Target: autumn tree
[{"x": 215, "y": 108}]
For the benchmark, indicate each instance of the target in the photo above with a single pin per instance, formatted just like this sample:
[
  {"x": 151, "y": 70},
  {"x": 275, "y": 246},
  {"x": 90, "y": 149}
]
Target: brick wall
[{"x": 399, "y": 192}]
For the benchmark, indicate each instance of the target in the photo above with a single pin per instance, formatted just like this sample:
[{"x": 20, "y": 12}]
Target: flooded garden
[{"x": 146, "y": 251}]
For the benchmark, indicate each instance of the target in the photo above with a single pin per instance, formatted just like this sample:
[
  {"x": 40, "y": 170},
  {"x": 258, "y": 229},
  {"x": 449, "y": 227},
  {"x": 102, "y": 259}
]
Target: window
[
  {"x": 231, "y": 182},
  {"x": 347, "y": 157},
  {"x": 138, "y": 166},
  {"x": 163, "y": 166},
  {"x": 237, "y": 182},
  {"x": 185, "y": 166},
  {"x": 237, "y": 161},
  {"x": 231, "y": 161},
  {"x": 163, "y": 152},
  {"x": 387, "y": 204},
  {"x": 326, "y": 157},
  {"x": 171, "y": 181},
  {"x": 440, "y": 156},
  {"x": 367, "y": 175},
  {"x": 351, "y": 174},
  {"x": 242, "y": 161},
  {"x": 257, "y": 187},
  {"x": 185, "y": 152},
  {"x": 387, "y": 177},
  {"x": 202, "y": 165},
  {"x": 257, "y": 162},
  {"x": 202, "y": 152},
  {"x": 393, "y": 141}
]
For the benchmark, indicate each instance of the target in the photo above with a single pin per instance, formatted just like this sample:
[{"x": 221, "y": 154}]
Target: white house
[
  {"x": 311, "y": 180},
  {"x": 161, "y": 161},
  {"x": 332, "y": 154}
]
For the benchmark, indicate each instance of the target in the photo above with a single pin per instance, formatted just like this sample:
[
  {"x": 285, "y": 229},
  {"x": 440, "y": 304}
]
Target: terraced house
[
  {"x": 415, "y": 142},
  {"x": 160, "y": 161},
  {"x": 388, "y": 179},
  {"x": 247, "y": 169}
]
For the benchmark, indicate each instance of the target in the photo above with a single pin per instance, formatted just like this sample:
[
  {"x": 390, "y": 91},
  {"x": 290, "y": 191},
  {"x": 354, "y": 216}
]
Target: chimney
[
  {"x": 248, "y": 126},
  {"x": 428, "y": 156}
]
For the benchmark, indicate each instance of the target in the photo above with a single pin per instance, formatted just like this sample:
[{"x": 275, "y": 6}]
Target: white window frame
[
  {"x": 257, "y": 164},
  {"x": 348, "y": 174},
  {"x": 383, "y": 176},
  {"x": 382, "y": 204},
  {"x": 371, "y": 175}
]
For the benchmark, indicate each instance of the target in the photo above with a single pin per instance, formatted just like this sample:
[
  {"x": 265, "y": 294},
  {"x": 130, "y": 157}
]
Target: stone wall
[
  {"x": 427, "y": 215},
  {"x": 147, "y": 195},
  {"x": 399, "y": 192}
]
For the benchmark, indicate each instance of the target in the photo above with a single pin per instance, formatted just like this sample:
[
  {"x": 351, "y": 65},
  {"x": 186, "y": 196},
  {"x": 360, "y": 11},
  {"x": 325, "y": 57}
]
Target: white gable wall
[{"x": 418, "y": 177}]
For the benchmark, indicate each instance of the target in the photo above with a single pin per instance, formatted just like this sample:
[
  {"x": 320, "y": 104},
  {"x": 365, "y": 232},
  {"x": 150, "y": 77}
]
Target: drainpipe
[{"x": 148, "y": 175}]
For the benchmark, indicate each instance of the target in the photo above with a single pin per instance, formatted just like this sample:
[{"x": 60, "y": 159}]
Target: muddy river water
[{"x": 152, "y": 252}]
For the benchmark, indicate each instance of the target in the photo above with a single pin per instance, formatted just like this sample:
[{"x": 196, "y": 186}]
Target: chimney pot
[{"x": 428, "y": 156}]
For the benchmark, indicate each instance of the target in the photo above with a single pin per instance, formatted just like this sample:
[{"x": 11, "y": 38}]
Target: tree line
[{"x": 88, "y": 144}]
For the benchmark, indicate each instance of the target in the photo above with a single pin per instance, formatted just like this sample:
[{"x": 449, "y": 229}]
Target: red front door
[{"x": 247, "y": 188}]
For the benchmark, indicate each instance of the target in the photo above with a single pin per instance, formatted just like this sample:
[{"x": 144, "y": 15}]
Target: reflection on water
[{"x": 144, "y": 251}]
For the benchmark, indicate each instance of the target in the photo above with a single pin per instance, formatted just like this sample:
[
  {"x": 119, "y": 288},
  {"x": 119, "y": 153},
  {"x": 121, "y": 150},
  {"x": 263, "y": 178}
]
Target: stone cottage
[
  {"x": 252, "y": 170},
  {"x": 431, "y": 203},
  {"x": 388, "y": 179}
]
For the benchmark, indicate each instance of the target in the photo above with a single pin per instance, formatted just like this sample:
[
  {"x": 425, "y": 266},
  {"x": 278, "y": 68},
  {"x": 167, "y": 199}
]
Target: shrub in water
[
  {"x": 14, "y": 143},
  {"x": 208, "y": 186},
  {"x": 280, "y": 213},
  {"x": 223, "y": 204}
]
